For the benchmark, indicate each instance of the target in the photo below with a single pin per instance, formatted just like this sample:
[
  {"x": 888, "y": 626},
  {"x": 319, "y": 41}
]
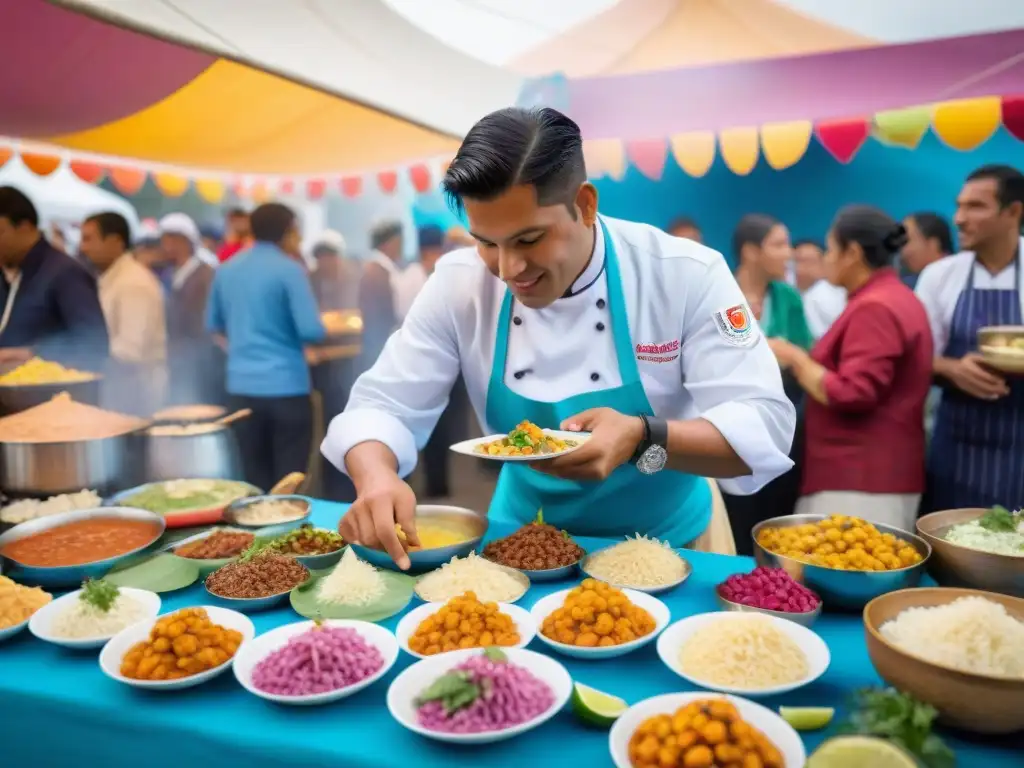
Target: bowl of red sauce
[{"x": 65, "y": 549}]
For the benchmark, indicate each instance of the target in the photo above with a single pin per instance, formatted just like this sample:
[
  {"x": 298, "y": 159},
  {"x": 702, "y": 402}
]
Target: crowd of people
[{"x": 896, "y": 412}]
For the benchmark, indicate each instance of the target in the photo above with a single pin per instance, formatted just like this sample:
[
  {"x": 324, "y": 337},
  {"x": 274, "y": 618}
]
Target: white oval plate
[
  {"x": 121, "y": 643},
  {"x": 814, "y": 648},
  {"x": 11, "y": 631},
  {"x": 547, "y": 605},
  {"x": 252, "y": 653},
  {"x": 407, "y": 626},
  {"x": 468, "y": 447},
  {"x": 415, "y": 679},
  {"x": 777, "y": 730},
  {"x": 41, "y": 623}
]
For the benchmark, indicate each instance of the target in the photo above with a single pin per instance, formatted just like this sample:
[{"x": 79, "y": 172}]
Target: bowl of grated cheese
[
  {"x": 642, "y": 564},
  {"x": 743, "y": 653}
]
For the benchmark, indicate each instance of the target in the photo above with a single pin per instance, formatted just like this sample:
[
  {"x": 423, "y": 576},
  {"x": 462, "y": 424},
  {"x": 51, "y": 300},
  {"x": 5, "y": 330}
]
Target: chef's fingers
[
  {"x": 367, "y": 536},
  {"x": 383, "y": 509},
  {"x": 582, "y": 422},
  {"x": 348, "y": 527},
  {"x": 405, "y": 515}
]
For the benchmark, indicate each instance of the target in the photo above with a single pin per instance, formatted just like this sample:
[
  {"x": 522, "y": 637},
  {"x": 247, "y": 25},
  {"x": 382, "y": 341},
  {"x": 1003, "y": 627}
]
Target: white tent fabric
[
  {"x": 62, "y": 198},
  {"x": 361, "y": 50}
]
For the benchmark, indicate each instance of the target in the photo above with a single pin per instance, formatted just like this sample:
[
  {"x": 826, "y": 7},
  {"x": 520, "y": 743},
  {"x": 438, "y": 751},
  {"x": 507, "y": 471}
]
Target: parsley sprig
[
  {"x": 906, "y": 722},
  {"x": 99, "y": 593}
]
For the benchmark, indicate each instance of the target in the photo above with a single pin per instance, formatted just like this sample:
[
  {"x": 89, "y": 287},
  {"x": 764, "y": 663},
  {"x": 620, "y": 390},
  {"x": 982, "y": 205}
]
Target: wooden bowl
[
  {"x": 972, "y": 702},
  {"x": 953, "y": 565}
]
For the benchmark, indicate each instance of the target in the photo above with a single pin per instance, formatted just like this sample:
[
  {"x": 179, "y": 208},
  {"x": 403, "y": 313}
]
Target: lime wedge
[
  {"x": 807, "y": 718},
  {"x": 858, "y": 752},
  {"x": 594, "y": 707}
]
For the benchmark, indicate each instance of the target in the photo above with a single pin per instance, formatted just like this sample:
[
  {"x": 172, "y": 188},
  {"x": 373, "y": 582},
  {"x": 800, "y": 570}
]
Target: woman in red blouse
[{"x": 867, "y": 380}]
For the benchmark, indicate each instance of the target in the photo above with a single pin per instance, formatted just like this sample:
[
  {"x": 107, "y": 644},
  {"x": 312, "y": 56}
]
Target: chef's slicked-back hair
[{"x": 514, "y": 146}]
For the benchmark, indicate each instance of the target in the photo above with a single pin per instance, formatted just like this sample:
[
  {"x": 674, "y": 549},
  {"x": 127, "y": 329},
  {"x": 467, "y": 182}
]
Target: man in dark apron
[{"x": 976, "y": 457}]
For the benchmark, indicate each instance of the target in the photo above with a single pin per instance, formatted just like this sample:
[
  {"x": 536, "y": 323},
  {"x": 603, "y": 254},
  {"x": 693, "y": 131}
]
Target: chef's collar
[
  {"x": 184, "y": 272},
  {"x": 593, "y": 270}
]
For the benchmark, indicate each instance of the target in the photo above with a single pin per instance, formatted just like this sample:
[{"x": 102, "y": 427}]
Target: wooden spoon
[
  {"x": 231, "y": 418},
  {"x": 288, "y": 485}
]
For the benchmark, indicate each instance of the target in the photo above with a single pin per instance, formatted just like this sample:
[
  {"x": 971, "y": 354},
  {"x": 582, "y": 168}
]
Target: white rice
[
  {"x": 352, "y": 582},
  {"x": 490, "y": 582},
  {"x": 971, "y": 634},
  {"x": 638, "y": 562},
  {"x": 81, "y": 620}
]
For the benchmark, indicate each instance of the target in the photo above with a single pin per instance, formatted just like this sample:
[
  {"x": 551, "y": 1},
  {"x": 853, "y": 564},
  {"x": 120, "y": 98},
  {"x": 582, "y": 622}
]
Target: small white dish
[
  {"x": 11, "y": 631},
  {"x": 672, "y": 639},
  {"x": 524, "y": 622},
  {"x": 775, "y": 729},
  {"x": 416, "y": 678},
  {"x": 661, "y": 588},
  {"x": 548, "y": 605},
  {"x": 252, "y": 653},
  {"x": 121, "y": 643},
  {"x": 469, "y": 447},
  {"x": 41, "y": 623}
]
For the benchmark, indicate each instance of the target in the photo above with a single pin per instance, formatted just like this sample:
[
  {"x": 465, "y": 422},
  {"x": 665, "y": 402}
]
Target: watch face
[{"x": 652, "y": 460}]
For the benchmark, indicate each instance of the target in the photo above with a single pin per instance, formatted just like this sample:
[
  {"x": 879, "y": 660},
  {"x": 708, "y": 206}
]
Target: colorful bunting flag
[
  {"x": 387, "y": 181},
  {"x": 1013, "y": 116},
  {"x": 648, "y": 156},
  {"x": 694, "y": 152},
  {"x": 90, "y": 173},
  {"x": 739, "y": 147},
  {"x": 902, "y": 127},
  {"x": 784, "y": 144},
  {"x": 968, "y": 123},
  {"x": 843, "y": 138}
]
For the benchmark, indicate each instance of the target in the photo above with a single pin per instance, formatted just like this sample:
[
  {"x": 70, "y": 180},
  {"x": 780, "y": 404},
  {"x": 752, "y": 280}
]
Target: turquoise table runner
[{"x": 58, "y": 710}]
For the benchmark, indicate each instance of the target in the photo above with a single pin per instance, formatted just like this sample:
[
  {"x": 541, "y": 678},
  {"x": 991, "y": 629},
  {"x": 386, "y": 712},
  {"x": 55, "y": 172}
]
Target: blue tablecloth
[{"x": 58, "y": 709}]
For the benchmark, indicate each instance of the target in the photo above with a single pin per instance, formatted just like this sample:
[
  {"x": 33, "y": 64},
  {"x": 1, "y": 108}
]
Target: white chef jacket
[
  {"x": 823, "y": 304},
  {"x": 940, "y": 284},
  {"x": 674, "y": 291}
]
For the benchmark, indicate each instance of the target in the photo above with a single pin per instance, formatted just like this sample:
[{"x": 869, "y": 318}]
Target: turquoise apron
[{"x": 669, "y": 505}]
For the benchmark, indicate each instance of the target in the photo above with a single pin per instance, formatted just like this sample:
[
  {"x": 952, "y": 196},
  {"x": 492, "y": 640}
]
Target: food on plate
[
  {"x": 535, "y": 547},
  {"x": 180, "y": 495},
  {"x": 306, "y": 540},
  {"x": 266, "y": 574},
  {"x": 101, "y": 610},
  {"x": 179, "y": 645},
  {"x": 81, "y": 541},
  {"x": 23, "y": 510},
  {"x": 319, "y": 660},
  {"x": 39, "y": 371},
  {"x": 595, "y": 614},
  {"x": 270, "y": 512},
  {"x": 62, "y": 419},
  {"x": 702, "y": 734},
  {"x": 841, "y": 542},
  {"x": 998, "y": 531},
  {"x": 216, "y": 546},
  {"x": 525, "y": 440},
  {"x": 189, "y": 413},
  {"x": 432, "y": 535},
  {"x": 353, "y": 582},
  {"x": 181, "y": 430},
  {"x": 743, "y": 651},
  {"x": 18, "y": 603},
  {"x": 771, "y": 589},
  {"x": 484, "y": 693},
  {"x": 972, "y": 634},
  {"x": 638, "y": 562},
  {"x": 488, "y": 581},
  {"x": 464, "y": 622}
]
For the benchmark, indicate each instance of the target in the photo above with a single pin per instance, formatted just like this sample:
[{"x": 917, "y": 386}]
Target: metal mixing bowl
[
  {"x": 458, "y": 519},
  {"x": 849, "y": 590},
  {"x": 74, "y": 575},
  {"x": 953, "y": 565},
  {"x": 803, "y": 619}
]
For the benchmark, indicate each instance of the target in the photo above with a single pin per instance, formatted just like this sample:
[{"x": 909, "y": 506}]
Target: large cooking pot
[
  {"x": 49, "y": 469},
  {"x": 20, "y": 397},
  {"x": 200, "y": 451}
]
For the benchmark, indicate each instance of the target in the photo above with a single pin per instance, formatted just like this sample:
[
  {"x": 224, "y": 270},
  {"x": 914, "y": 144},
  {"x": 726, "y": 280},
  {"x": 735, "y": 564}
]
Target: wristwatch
[{"x": 652, "y": 454}]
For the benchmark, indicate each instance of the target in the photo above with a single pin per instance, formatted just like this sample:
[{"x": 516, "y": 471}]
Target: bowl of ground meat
[{"x": 539, "y": 550}]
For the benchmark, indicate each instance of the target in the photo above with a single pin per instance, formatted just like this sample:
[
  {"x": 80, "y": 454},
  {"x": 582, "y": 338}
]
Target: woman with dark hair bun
[{"x": 867, "y": 380}]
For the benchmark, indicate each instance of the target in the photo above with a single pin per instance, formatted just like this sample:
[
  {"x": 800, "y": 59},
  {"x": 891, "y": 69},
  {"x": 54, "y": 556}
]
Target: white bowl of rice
[
  {"x": 748, "y": 654},
  {"x": 639, "y": 563},
  {"x": 72, "y": 623}
]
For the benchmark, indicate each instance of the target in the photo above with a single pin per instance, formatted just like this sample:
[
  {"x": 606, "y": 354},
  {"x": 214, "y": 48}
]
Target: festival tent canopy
[{"x": 261, "y": 87}]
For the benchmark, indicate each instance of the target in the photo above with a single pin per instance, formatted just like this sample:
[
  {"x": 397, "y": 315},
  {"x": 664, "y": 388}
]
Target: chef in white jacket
[{"x": 575, "y": 321}]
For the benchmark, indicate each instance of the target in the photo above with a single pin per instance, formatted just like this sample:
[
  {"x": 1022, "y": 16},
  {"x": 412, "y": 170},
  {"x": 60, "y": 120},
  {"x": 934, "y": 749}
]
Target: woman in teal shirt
[{"x": 762, "y": 250}]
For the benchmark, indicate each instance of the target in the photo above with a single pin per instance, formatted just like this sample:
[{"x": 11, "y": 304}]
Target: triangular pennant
[
  {"x": 902, "y": 127},
  {"x": 352, "y": 186},
  {"x": 387, "y": 181},
  {"x": 649, "y": 156},
  {"x": 419, "y": 175},
  {"x": 843, "y": 138},
  {"x": 90, "y": 173},
  {"x": 1013, "y": 115},
  {"x": 316, "y": 188}
]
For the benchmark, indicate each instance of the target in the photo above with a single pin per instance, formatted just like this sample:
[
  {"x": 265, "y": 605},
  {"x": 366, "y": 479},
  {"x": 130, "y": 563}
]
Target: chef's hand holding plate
[
  {"x": 971, "y": 376},
  {"x": 613, "y": 440},
  {"x": 385, "y": 500}
]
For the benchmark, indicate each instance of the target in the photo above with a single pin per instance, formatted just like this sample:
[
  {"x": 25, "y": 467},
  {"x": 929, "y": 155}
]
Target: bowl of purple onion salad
[
  {"x": 476, "y": 696},
  {"x": 313, "y": 662}
]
